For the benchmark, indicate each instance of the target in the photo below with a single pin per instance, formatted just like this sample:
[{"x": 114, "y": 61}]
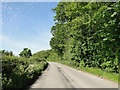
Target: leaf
[
  {"x": 112, "y": 39},
  {"x": 96, "y": 44},
  {"x": 113, "y": 14},
  {"x": 105, "y": 39}
]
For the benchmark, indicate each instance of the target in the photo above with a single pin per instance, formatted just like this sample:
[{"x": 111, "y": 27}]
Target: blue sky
[{"x": 26, "y": 24}]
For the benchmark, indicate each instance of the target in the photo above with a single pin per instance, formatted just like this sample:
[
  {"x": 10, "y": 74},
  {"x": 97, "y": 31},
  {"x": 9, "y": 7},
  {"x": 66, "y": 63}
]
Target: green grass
[{"x": 101, "y": 73}]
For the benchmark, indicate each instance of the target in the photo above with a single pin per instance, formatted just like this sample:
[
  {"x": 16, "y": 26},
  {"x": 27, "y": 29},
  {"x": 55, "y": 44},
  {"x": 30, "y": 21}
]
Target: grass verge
[{"x": 101, "y": 73}]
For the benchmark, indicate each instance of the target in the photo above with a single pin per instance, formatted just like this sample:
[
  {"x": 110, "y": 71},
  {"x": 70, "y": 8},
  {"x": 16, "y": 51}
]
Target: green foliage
[
  {"x": 18, "y": 72},
  {"x": 86, "y": 34},
  {"x": 42, "y": 54},
  {"x": 3, "y": 52},
  {"x": 53, "y": 56},
  {"x": 0, "y": 80},
  {"x": 25, "y": 53}
]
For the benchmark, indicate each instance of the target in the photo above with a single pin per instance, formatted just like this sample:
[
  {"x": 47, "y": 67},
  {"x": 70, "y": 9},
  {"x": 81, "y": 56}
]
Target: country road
[{"x": 61, "y": 76}]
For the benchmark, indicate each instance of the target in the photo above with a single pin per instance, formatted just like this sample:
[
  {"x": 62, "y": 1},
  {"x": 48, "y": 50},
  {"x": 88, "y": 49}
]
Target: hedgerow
[{"x": 19, "y": 72}]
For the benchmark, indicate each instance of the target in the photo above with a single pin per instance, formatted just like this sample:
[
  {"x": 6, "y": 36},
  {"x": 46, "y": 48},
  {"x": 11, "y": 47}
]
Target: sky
[{"x": 26, "y": 25}]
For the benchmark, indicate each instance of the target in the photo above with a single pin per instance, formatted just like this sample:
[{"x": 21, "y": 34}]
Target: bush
[{"x": 19, "y": 72}]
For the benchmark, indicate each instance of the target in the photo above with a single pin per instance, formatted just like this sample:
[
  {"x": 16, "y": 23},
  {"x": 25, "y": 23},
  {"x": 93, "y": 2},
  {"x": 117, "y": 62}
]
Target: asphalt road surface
[{"x": 61, "y": 76}]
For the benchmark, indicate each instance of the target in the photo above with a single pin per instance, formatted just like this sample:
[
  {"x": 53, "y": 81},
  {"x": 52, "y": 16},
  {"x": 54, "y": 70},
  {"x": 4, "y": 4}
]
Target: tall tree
[{"x": 87, "y": 34}]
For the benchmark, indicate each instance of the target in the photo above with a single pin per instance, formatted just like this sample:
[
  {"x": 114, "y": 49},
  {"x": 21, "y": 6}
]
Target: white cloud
[{"x": 17, "y": 45}]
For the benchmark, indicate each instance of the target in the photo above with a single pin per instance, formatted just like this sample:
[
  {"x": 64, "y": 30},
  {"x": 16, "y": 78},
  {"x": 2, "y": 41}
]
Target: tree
[
  {"x": 11, "y": 53},
  {"x": 87, "y": 34},
  {"x": 25, "y": 53},
  {"x": 3, "y": 52}
]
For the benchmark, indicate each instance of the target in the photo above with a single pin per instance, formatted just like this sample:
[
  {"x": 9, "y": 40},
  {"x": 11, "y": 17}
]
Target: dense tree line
[{"x": 87, "y": 34}]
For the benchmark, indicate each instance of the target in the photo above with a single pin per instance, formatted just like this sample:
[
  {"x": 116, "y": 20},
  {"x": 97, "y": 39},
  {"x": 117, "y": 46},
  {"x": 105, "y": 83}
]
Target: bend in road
[{"x": 61, "y": 76}]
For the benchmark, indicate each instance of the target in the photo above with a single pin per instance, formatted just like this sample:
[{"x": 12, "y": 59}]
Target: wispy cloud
[
  {"x": 18, "y": 45},
  {"x": 26, "y": 25}
]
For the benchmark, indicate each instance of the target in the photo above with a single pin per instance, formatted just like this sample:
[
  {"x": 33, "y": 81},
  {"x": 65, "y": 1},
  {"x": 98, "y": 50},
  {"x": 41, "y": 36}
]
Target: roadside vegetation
[
  {"x": 42, "y": 54},
  {"x": 20, "y": 72},
  {"x": 86, "y": 36}
]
